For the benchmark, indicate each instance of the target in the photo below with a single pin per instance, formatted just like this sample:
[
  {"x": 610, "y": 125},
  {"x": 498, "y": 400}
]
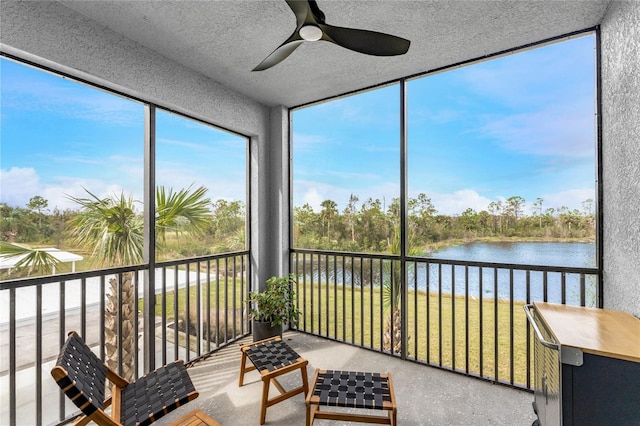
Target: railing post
[{"x": 12, "y": 357}]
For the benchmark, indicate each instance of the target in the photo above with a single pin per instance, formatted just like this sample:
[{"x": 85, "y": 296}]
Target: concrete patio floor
[{"x": 425, "y": 395}]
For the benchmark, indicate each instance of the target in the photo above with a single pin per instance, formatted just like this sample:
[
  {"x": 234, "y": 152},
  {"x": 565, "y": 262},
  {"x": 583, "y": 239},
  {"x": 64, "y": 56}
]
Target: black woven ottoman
[
  {"x": 351, "y": 389},
  {"x": 272, "y": 358}
]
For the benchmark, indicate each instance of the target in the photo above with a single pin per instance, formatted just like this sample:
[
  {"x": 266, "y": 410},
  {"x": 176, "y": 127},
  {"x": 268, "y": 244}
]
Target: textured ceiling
[{"x": 224, "y": 40}]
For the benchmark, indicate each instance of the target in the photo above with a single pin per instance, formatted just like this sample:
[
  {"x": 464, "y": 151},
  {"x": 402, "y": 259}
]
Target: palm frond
[
  {"x": 112, "y": 227},
  {"x": 33, "y": 258},
  {"x": 181, "y": 211}
]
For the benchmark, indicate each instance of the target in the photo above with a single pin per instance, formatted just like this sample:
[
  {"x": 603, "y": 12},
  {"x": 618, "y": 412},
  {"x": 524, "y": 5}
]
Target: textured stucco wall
[
  {"x": 621, "y": 155},
  {"x": 52, "y": 35}
]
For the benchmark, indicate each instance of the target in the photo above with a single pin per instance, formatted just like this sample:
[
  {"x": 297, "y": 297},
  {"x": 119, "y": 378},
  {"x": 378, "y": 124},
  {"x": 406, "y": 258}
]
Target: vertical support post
[
  {"x": 599, "y": 175},
  {"x": 61, "y": 338},
  {"x": 149, "y": 252},
  {"x": 403, "y": 219}
]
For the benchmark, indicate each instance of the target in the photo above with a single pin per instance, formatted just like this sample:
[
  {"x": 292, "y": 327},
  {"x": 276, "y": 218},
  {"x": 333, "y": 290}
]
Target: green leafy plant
[{"x": 275, "y": 303}]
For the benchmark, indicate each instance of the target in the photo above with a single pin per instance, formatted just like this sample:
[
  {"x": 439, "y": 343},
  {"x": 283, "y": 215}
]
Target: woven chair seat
[
  {"x": 155, "y": 394},
  {"x": 83, "y": 376}
]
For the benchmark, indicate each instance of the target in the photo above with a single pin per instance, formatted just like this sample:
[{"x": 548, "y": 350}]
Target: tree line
[
  {"x": 371, "y": 225},
  {"x": 221, "y": 223}
]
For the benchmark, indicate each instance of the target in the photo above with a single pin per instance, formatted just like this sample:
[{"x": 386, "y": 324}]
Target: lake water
[
  {"x": 581, "y": 255},
  {"x": 489, "y": 282}
]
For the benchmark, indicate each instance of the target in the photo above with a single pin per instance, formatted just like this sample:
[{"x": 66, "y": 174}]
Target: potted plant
[{"x": 273, "y": 307}]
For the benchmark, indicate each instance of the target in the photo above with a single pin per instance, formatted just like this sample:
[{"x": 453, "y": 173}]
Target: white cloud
[
  {"x": 457, "y": 202},
  {"x": 18, "y": 185},
  {"x": 313, "y": 198},
  {"x": 228, "y": 185},
  {"x": 58, "y": 194},
  {"x": 551, "y": 131},
  {"x": 572, "y": 198},
  {"x": 314, "y": 193}
]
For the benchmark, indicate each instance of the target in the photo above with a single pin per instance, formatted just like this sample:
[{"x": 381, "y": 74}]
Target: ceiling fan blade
[
  {"x": 281, "y": 53},
  {"x": 301, "y": 9},
  {"x": 364, "y": 41},
  {"x": 311, "y": 26}
]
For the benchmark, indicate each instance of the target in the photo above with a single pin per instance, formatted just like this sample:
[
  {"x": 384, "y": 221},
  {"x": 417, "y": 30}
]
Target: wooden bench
[
  {"x": 272, "y": 358},
  {"x": 350, "y": 389}
]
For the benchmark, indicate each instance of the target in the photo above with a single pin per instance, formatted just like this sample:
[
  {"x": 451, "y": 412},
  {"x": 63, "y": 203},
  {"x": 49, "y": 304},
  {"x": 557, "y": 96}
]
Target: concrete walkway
[{"x": 425, "y": 395}]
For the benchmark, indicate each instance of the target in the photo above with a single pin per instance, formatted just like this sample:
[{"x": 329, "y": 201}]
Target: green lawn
[{"x": 356, "y": 316}]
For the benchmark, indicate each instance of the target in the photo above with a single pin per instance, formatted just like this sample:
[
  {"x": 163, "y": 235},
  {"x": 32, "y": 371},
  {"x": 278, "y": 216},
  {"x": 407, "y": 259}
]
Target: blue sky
[
  {"x": 520, "y": 125},
  {"x": 59, "y": 136}
]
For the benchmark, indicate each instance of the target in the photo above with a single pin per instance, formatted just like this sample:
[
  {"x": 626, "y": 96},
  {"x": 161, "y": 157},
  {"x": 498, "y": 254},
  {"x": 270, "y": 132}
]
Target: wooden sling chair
[{"x": 82, "y": 376}]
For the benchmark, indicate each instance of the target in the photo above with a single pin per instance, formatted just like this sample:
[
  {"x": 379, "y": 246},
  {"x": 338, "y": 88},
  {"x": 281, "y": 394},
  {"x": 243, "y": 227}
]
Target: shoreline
[{"x": 441, "y": 245}]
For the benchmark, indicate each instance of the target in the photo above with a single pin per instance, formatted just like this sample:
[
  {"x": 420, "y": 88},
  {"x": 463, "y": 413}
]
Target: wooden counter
[{"x": 604, "y": 332}]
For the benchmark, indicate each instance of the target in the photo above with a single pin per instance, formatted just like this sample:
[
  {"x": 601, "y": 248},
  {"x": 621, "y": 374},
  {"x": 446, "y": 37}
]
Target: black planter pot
[{"x": 264, "y": 330}]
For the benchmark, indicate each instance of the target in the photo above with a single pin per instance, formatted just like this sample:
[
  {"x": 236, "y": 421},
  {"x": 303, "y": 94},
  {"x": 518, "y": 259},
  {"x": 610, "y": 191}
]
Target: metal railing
[
  {"x": 462, "y": 316},
  {"x": 199, "y": 307}
]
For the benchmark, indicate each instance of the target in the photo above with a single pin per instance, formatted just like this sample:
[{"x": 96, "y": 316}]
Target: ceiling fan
[{"x": 310, "y": 26}]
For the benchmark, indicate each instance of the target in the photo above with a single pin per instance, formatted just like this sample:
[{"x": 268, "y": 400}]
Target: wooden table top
[
  {"x": 196, "y": 417},
  {"x": 605, "y": 332}
]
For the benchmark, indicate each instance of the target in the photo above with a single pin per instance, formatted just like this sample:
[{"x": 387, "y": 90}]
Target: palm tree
[
  {"x": 115, "y": 231},
  {"x": 391, "y": 297},
  {"x": 328, "y": 213}
]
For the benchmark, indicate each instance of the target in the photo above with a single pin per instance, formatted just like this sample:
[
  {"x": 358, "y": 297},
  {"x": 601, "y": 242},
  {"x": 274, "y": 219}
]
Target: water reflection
[{"x": 475, "y": 282}]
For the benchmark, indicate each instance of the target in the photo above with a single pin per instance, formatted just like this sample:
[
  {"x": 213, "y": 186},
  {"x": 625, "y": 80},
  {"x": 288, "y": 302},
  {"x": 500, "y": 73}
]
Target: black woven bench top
[
  {"x": 353, "y": 389},
  {"x": 272, "y": 355}
]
